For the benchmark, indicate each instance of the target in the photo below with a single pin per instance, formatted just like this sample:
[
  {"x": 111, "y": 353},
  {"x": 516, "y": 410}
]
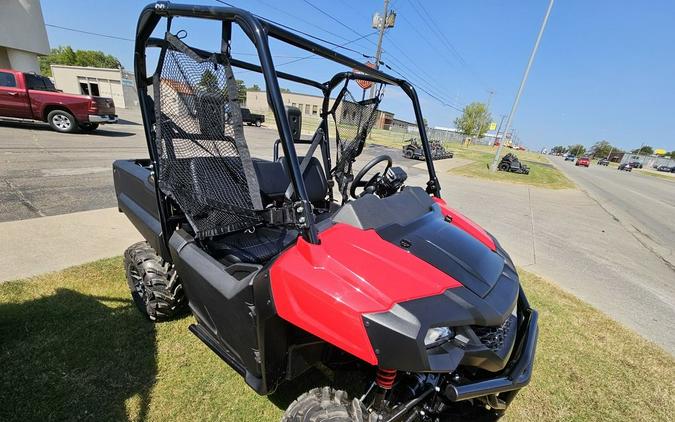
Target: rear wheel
[
  {"x": 324, "y": 404},
  {"x": 504, "y": 167},
  {"x": 258, "y": 123},
  {"x": 154, "y": 284},
  {"x": 408, "y": 154},
  {"x": 62, "y": 121}
]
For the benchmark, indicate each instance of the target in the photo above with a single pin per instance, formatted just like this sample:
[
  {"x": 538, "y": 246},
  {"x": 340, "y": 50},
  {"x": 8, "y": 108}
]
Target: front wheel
[
  {"x": 62, "y": 121},
  {"x": 324, "y": 404},
  {"x": 504, "y": 167}
]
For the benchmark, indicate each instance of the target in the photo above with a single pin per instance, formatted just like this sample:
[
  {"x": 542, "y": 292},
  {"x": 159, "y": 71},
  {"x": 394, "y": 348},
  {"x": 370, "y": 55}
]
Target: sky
[{"x": 605, "y": 69}]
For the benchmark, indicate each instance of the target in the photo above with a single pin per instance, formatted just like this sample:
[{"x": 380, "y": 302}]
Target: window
[
  {"x": 38, "y": 83},
  {"x": 315, "y": 109},
  {"x": 294, "y": 104},
  {"x": 306, "y": 108},
  {"x": 93, "y": 88},
  {"x": 7, "y": 80},
  {"x": 84, "y": 88}
]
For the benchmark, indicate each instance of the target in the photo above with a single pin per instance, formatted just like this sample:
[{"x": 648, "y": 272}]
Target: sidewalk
[{"x": 39, "y": 245}]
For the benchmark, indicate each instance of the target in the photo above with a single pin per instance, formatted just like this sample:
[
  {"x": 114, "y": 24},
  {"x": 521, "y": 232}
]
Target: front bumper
[
  {"x": 103, "y": 119},
  {"x": 517, "y": 373}
]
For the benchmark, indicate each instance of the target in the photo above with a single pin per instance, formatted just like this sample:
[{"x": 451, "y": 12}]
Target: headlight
[{"x": 438, "y": 335}]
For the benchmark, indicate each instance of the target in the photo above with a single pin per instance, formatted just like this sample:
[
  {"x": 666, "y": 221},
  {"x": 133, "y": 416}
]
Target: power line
[
  {"x": 312, "y": 36},
  {"x": 89, "y": 33},
  {"x": 444, "y": 40}
]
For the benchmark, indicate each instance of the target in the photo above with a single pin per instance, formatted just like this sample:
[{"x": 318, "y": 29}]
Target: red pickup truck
[{"x": 30, "y": 96}]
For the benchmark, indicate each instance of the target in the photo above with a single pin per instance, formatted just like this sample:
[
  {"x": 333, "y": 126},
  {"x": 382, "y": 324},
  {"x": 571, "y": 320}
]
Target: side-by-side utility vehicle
[{"x": 296, "y": 266}]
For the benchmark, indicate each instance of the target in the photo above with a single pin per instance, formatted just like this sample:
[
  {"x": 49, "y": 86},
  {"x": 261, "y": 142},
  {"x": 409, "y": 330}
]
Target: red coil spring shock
[{"x": 385, "y": 378}]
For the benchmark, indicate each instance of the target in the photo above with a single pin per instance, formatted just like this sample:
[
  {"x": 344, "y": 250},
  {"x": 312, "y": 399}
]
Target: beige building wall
[
  {"x": 256, "y": 101},
  {"x": 84, "y": 80},
  {"x": 22, "y": 35}
]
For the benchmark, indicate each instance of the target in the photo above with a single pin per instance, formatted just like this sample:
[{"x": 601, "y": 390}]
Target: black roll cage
[{"x": 259, "y": 30}]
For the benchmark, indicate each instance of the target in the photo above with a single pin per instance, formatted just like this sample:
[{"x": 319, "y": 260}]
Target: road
[
  {"x": 565, "y": 236},
  {"x": 645, "y": 205}
]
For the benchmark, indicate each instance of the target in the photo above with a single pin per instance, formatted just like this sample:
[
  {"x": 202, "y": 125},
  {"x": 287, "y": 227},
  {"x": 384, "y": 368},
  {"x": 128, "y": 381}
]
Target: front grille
[{"x": 493, "y": 337}]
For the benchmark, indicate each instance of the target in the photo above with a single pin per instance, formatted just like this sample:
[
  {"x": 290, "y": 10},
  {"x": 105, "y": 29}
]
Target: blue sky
[{"x": 605, "y": 69}]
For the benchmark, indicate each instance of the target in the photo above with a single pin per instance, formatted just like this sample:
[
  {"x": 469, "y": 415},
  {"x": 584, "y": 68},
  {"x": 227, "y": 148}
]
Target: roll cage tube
[{"x": 258, "y": 31}]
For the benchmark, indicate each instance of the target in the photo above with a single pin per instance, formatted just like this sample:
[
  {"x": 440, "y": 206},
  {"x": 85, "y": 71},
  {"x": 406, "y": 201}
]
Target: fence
[{"x": 648, "y": 161}]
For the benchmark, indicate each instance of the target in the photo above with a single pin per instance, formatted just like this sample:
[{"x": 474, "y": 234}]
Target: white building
[
  {"x": 117, "y": 84},
  {"x": 23, "y": 36}
]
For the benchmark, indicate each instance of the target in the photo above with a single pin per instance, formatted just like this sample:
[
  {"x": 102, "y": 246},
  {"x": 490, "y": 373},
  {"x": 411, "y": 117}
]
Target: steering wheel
[{"x": 358, "y": 183}]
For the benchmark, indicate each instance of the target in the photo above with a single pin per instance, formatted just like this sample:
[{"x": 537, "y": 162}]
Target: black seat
[
  {"x": 273, "y": 179},
  {"x": 253, "y": 247}
]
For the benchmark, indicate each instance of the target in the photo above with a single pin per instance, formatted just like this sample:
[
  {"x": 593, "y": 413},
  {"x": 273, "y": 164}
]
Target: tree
[
  {"x": 241, "y": 88},
  {"x": 208, "y": 81},
  {"x": 285, "y": 90},
  {"x": 558, "y": 149},
  {"x": 475, "y": 120},
  {"x": 646, "y": 150},
  {"x": 603, "y": 149},
  {"x": 576, "y": 149},
  {"x": 254, "y": 88},
  {"x": 67, "y": 56}
]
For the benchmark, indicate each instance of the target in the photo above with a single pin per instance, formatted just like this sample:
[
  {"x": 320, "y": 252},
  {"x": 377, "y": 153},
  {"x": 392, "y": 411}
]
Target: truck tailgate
[{"x": 106, "y": 106}]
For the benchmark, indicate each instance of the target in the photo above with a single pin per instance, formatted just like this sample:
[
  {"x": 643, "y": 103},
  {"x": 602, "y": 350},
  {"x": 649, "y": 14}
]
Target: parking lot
[{"x": 564, "y": 235}]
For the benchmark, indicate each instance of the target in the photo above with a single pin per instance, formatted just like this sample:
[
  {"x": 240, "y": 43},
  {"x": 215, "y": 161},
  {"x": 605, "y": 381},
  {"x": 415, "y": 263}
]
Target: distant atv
[
  {"x": 512, "y": 164},
  {"x": 413, "y": 150}
]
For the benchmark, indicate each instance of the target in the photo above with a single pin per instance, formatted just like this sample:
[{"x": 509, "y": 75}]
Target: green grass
[
  {"x": 72, "y": 346},
  {"x": 542, "y": 172},
  {"x": 659, "y": 175}
]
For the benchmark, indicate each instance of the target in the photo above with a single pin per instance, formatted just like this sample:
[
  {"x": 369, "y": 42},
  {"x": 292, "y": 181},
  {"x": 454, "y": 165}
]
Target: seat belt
[{"x": 318, "y": 137}]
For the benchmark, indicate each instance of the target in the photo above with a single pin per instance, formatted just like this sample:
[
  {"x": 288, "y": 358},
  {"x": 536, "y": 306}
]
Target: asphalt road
[{"x": 645, "y": 205}]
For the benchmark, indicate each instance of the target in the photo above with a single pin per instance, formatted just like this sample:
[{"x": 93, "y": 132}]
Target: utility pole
[
  {"x": 385, "y": 21},
  {"x": 610, "y": 152},
  {"x": 522, "y": 83}
]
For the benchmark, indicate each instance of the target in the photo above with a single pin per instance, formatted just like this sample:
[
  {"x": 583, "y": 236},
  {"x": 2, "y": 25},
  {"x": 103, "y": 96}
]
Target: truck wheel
[
  {"x": 324, "y": 404},
  {"x": 258, "y": 123},
  {"x": 154, "y": 284},
  {"x": 504, "y": 167},
  {"x": 88, "y": 127},
  {"x": 408, "y": 154},
  {"x": 62, "y": 121}
]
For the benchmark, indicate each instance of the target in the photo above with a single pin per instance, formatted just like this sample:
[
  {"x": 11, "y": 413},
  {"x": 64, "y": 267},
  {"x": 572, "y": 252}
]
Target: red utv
[{"x": 296, "y": 264}]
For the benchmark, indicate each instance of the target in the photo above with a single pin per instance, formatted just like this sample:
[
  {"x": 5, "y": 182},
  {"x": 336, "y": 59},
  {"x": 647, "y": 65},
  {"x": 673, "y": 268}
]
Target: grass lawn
[
  {"x": 74, "y": 347},
  {"x": 660, "y": 175},
  {"x": 542, "y": 172}
]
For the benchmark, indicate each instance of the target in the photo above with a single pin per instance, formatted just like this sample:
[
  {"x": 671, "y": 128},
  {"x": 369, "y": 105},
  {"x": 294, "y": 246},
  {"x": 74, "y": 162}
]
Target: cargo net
[
  {"x": 204, "y": 163},
  {"x": 353, "y": 122}
]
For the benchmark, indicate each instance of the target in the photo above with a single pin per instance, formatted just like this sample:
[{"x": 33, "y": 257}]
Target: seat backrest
[
  {"x": 273, "y": 179},
  {"x": 204, "y": 162}
]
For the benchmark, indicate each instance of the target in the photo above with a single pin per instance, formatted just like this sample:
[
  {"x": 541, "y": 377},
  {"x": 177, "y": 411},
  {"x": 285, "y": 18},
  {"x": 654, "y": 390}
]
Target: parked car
[
  {"x": 30, "y": 96},
  {"x": 252, "y": 118},
  {"x": 583, "y": 161},
  {"x": 603, "y": 162},
  {"x": 636, "y": 164},
  {"x": 570, "y": 158},
  {"x": 667, "y": 169},
  {"x": 625, "y": 167}
]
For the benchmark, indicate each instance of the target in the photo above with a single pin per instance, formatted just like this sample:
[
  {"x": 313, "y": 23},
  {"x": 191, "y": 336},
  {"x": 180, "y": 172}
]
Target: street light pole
[{"x": 493, "y": 168}]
